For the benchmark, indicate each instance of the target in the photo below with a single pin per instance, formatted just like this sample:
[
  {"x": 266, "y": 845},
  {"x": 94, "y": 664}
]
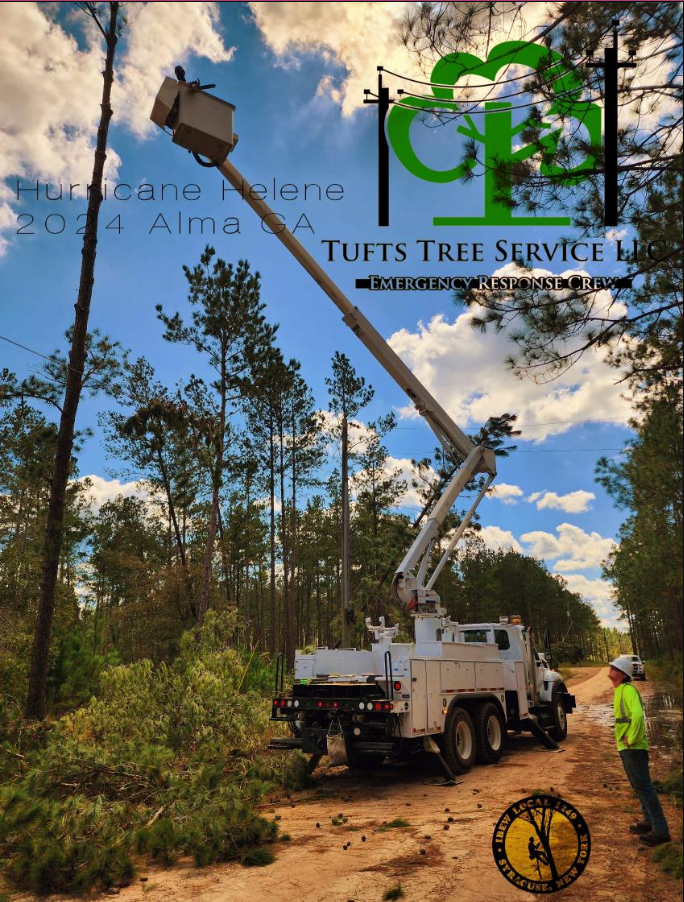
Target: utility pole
[
  {"x": 610, "y": 66},
  {"x": 383, "y": 103}
]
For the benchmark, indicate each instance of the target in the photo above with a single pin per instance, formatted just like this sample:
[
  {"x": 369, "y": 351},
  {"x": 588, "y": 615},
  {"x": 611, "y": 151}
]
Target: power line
[
  {"x": 479, "y": 99},
  {"x": 39, "y": 354},
  {"x": 550, "y": 423},
  {"x": 480, "y": 112},
  {"x": 539, "y": 450}
]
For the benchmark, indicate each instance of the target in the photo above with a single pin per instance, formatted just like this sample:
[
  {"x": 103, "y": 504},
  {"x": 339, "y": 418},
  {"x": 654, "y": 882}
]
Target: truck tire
[
  {"x": 458, "y": 742},
  {"x": 490, "y": 733},
  {"x": 559, "y": 719}
]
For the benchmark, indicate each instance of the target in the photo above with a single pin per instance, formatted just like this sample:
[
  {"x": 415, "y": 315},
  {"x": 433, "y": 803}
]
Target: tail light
[{"x": 397, "y": 686}]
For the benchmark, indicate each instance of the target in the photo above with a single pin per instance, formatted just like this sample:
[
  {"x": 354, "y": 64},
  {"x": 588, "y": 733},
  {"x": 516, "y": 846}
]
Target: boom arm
[
  {"x": 203, "y": 124},
  {"x": 476, "y": 459}
]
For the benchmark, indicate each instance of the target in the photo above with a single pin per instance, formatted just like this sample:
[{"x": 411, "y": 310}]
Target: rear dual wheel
[
  {"x": 458, "y": 741},
  {"x": 490, "y": 733}
]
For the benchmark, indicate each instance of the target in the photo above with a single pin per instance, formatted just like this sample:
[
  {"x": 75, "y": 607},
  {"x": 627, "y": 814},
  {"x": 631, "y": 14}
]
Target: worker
[{"x": 632, "y": 743}]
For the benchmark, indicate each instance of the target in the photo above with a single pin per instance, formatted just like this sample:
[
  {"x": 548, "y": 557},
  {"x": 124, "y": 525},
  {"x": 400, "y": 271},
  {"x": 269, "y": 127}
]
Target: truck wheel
[
  {"x": 559, "y": 719},
  {"x": 458, "y": 741},
  {"x": 490, "y": 733}
]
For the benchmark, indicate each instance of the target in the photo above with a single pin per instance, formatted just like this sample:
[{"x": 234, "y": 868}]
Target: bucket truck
[{"x": 458, "y": 689}]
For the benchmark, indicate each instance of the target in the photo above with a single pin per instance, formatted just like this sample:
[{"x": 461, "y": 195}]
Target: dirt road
[{"x": 457, "y": 863}]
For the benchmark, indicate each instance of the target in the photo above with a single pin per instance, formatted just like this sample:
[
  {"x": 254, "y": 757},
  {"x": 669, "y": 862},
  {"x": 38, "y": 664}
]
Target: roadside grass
[
  {"x": 397, "y": 823},
  {"x": 672, "y": 785},
  {"x": 667, "y": 672},
  {"x": 257, "y": 858},
  {"x": 669, "y": 859}
]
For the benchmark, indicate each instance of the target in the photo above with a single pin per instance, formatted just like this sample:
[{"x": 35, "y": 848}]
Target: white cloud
[
  {"x": 161, "y": 35},
  {"x": 51, "y": 88},
  {"x": 359, "y": 36},
  {"x": 587, "y": 391},
  {"x": 497, "y": 539},
  {"x": 505, "y": 492},
  {"x": 102, "y": 490},
  {"x": 599, "y": 593},
  {"x": 362, "y": 36},
  {"x": 49, "y": 105},
  {"x": 571, "y": 549},
  {"x": 572, "y": 503}
]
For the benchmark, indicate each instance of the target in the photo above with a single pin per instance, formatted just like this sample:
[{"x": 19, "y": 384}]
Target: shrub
[
  {"x": 669, "y": 859},
  {"x": 162, "y": 763},
  {"x": 672, "y": 785}
]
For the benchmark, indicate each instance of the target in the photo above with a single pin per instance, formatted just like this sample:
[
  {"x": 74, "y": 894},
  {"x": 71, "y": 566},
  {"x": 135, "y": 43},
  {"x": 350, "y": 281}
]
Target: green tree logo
[{"x": 498, "y": 132}]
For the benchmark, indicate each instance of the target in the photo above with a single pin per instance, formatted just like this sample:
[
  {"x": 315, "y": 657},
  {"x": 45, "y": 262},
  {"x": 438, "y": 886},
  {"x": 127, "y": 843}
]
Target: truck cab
[{"x": 528, "y": 679}]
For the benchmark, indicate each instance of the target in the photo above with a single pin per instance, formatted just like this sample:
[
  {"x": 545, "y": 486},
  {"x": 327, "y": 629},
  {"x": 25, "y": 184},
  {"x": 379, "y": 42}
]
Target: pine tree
[{"x": 229, "y": 329}]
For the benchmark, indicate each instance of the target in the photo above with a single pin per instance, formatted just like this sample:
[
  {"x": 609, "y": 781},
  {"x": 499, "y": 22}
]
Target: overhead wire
[{"x": 40, "y": 354}]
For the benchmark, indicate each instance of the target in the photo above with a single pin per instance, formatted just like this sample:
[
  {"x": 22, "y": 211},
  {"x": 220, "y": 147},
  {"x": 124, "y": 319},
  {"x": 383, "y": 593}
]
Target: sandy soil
[{"x": 457, "y": 863}]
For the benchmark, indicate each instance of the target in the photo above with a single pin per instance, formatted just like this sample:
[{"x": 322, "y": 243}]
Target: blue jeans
[{"x": 635, "y": 762}]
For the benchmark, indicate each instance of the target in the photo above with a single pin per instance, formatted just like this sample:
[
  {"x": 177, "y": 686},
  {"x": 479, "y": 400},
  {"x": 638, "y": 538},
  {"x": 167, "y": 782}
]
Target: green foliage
[
  {"x": 81, "y": 654},
  {"x": 295, "y": 774},
  {"x": 394, "y": 892},
  {"x": 160, "y": 764},
  {"x": 490, "y": 583},
  {"x": 672, "y": 786},
  {"x": 395, "y": 824},
  {"x": 257, "y": 858},
  {"x": 568, "y": 652},
  {"x": 669, "y": 859},
  {"x": 647, "y": 564}
]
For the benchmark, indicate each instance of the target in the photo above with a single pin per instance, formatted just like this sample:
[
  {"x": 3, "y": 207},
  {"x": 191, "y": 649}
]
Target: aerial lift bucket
[{"x": 200, "y": 122}]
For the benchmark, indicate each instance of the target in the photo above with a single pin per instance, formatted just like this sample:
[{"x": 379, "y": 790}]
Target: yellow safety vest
[{"x": 630, "y": 723}]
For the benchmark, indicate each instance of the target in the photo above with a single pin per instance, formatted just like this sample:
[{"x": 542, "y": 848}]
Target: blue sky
[{"x": 299, "y": 122}]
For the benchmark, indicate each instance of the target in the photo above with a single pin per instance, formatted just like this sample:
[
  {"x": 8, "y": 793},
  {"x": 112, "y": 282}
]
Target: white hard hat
[{"x": 624, "y": 665}]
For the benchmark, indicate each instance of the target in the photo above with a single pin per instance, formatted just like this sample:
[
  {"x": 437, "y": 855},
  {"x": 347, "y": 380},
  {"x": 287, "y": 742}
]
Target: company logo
[
  {"x": 541, "y": 844},
  {"x": 492, "y": 126}
]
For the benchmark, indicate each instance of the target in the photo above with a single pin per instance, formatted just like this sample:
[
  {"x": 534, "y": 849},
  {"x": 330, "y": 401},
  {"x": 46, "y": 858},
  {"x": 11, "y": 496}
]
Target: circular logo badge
[{"x": 541, "y": 844}]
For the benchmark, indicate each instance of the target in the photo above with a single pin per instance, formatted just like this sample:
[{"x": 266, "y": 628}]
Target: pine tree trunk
[
  {"x": 288, "y": 624},
  {"x": 54, "y": 530},
  {"x": 345, "y": 532},
  {"x": 293, "y": 533},
  {"x": 208, "y": 557},
  {"x": 272, "y": 583}
]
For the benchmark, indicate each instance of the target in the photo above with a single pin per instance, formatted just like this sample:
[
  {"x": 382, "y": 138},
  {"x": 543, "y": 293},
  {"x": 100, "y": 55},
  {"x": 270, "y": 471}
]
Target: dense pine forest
[{"x": 237, "y": 508}]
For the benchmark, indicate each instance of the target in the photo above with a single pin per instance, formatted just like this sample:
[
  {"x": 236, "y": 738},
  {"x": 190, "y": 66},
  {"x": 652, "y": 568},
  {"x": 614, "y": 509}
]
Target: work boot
[
  {"x": 654, "y": 839},
  {"x": 640, "y": 828}
]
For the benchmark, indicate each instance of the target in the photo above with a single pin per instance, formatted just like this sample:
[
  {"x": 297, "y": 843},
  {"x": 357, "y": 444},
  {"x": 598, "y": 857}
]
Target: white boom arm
[
  {"x": 406, "y": 587},
  {"x": 199, "y": 125}
]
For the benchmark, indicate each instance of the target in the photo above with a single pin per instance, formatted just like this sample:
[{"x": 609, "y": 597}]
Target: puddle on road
[
  {"x": 664, "y": 716},
  {"x": 664, "y": 722}
]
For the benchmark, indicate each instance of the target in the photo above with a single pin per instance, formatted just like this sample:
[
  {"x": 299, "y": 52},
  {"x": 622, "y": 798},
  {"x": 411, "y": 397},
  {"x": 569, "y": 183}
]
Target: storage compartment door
[
  {"x": 418, "y": 698},
  {"x": 434, "y": 697}
]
